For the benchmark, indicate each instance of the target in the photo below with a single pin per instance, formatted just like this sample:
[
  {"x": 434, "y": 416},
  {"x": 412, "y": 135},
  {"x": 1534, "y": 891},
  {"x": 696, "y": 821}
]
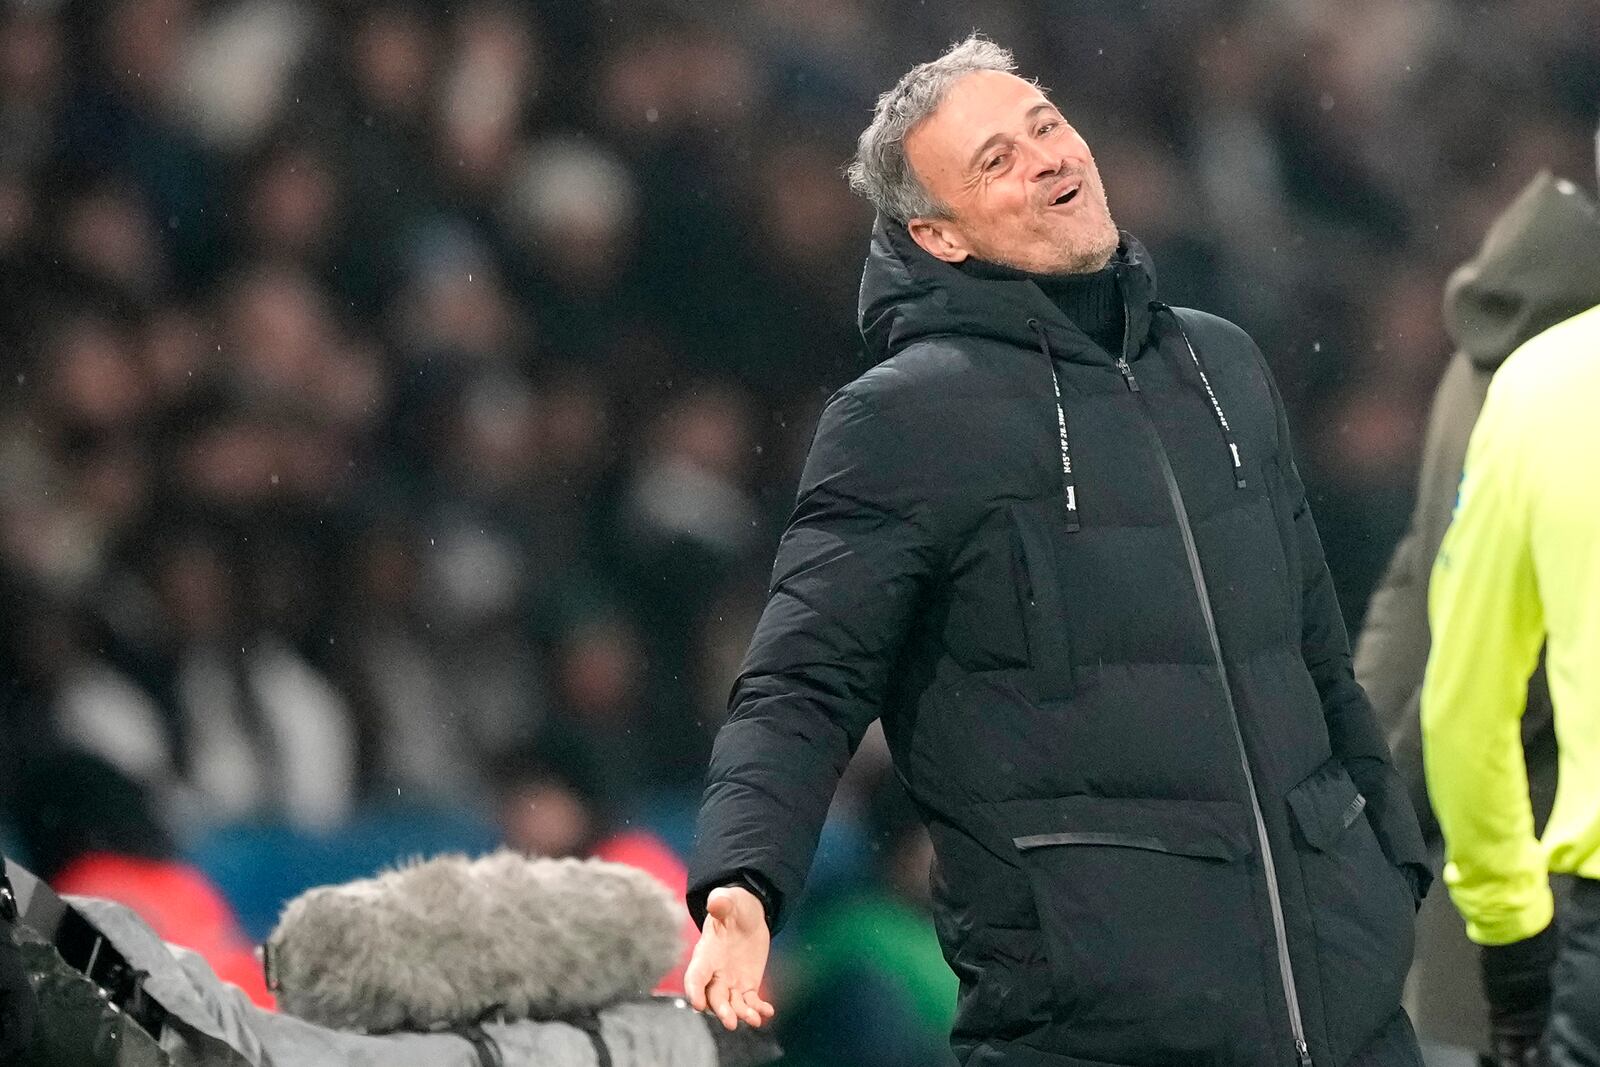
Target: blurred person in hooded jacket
[
  {"x": 1519, "y": 571},
  {"x": 1539, "y": 265}
]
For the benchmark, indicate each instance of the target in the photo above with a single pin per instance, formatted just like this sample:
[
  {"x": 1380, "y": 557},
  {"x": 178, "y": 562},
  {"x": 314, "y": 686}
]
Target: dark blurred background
[{"x": 400, "y": 401}]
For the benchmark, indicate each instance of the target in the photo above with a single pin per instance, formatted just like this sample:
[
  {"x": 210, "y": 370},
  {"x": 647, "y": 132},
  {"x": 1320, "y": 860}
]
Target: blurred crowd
[{"x": 402, "y": 399}]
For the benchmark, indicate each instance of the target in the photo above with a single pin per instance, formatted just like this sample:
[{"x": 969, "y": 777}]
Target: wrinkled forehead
[{"x": 978, "y": 106}]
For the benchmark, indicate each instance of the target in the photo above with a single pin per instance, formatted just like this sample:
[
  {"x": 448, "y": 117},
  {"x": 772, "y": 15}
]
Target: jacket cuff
[
  {"x": 1501, "y": 909},
  {"x": 758, "y": 886},
  {"x": 1421, "y": 879}
]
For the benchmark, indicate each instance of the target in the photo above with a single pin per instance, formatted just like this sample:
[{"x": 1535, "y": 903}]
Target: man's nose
[{"x": 1043, "y": 161}]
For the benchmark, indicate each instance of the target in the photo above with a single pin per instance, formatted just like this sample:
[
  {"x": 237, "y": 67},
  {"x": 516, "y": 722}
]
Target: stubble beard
[
  {"x": 1085, "y": 251},
  {"x": 1095, "y": 253},
  {"x": 1091, "y": 248}
]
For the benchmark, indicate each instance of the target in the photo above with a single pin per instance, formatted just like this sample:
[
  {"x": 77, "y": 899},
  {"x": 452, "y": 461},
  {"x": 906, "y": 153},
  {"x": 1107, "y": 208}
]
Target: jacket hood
[
  {"x": 907, "y": 294},
  {"x": 1539, "y": 265}
]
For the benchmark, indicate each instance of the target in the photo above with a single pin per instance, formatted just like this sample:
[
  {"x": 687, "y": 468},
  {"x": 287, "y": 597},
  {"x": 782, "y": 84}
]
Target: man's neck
[{"x": 1093, "y": 302}]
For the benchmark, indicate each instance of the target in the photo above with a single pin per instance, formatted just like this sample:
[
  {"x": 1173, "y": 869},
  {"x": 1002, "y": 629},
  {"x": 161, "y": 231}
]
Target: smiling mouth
[{"x": 1067, "y": 197}]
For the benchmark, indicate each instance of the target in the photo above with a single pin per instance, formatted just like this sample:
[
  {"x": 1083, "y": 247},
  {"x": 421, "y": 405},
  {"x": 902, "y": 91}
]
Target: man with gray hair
[{"x": 1056, "y": 541}]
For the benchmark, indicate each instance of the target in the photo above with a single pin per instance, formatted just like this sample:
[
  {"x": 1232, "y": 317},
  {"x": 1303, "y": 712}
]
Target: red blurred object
[
  {"x": 181, "y": 906},
  {"x": 645, "y": 851}
]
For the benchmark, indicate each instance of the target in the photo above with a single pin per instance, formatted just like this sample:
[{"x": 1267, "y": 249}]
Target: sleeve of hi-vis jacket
[
  {"x": 1488, "y": 625},
  {"x": 1353, "y": 731},
  {"x": 850, "y": 568}
]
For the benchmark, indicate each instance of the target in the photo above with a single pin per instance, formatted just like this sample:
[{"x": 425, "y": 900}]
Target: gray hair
[{"x": 880, "y": 171}]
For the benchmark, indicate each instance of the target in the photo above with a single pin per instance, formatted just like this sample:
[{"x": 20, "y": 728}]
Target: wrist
[{"x": 755, "y": 886}]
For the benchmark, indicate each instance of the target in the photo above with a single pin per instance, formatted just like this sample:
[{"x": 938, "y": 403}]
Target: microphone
[{"x": 452, "y": 942}]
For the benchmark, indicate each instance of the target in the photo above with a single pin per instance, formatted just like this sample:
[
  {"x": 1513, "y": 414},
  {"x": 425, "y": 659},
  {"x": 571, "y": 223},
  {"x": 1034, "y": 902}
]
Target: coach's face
[{"x": 1020, "y": 185}]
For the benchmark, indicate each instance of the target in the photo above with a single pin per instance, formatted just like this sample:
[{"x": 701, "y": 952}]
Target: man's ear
[{"x": 939, "y": 238}]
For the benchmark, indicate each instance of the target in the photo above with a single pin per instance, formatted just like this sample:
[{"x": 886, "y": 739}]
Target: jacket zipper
[
  {"x": 1280, "y": 933},
  {"x": 1127, "y": 372}
]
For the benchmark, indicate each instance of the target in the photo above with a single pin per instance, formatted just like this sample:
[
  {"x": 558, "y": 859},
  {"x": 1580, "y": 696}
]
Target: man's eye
[
  {"x": 995, "y": 162},
  {"x": 1047, "y": 128}
]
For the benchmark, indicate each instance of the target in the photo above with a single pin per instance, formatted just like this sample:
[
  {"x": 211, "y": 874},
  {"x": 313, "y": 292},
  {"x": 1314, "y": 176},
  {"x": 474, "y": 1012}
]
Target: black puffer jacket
[{"x": 1093, "y": 614}]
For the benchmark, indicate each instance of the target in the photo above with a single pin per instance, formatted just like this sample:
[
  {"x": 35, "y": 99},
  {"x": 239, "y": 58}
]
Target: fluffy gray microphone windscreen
[{"x": 445, "y": 942}]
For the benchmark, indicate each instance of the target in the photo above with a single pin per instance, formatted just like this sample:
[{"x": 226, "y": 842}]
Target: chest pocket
[{"x": 1039, "y": 596}]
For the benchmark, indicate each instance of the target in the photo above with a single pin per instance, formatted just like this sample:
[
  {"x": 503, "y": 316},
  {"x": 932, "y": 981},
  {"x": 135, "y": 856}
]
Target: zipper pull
[
  {"x": 1303, "y": 1051},
  {"x": 1127, "y": 374}
]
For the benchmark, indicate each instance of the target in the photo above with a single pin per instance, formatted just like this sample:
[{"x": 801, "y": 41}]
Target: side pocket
[
  {"x": 1044, "y": 616},
  {"x": 1149, "y": 923},
  {"x": 1361, "y": 906}
]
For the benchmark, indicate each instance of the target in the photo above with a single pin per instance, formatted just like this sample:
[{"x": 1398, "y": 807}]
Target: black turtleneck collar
[
  {"x": 1093, "y": 302},
  {"x": 907, "y": 295}
]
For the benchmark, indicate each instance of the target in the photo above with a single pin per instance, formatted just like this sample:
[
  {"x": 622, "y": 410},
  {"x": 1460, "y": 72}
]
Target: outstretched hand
[{"x": 724, "y": 974}]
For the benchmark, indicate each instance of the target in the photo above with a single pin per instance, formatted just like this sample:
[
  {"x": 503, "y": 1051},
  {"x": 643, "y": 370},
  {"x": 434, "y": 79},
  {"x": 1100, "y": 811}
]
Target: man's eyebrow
[{"x": 996, "y": 138}]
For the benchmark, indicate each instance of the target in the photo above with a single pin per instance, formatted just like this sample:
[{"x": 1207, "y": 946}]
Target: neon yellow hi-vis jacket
[{"x": 1520, "y": 567}]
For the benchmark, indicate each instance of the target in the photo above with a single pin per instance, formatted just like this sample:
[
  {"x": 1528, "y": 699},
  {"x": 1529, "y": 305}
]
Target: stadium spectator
[
  {"x": 872, "y": 954},
  {"x": 88, "y": 829},
  {"x": 553, "y": 799}
]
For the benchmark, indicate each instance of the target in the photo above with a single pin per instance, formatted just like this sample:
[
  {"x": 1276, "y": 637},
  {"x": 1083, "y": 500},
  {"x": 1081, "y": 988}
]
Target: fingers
[
  {"x": 720, "y": 998},
  {"x": 757, "y": 1011},
  {"x": 746, "y": 1010},
  {"x": 732, "y": 1005},
  {"x": 694, "y": 984},
  {"x": 727, "y": 1002}
]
